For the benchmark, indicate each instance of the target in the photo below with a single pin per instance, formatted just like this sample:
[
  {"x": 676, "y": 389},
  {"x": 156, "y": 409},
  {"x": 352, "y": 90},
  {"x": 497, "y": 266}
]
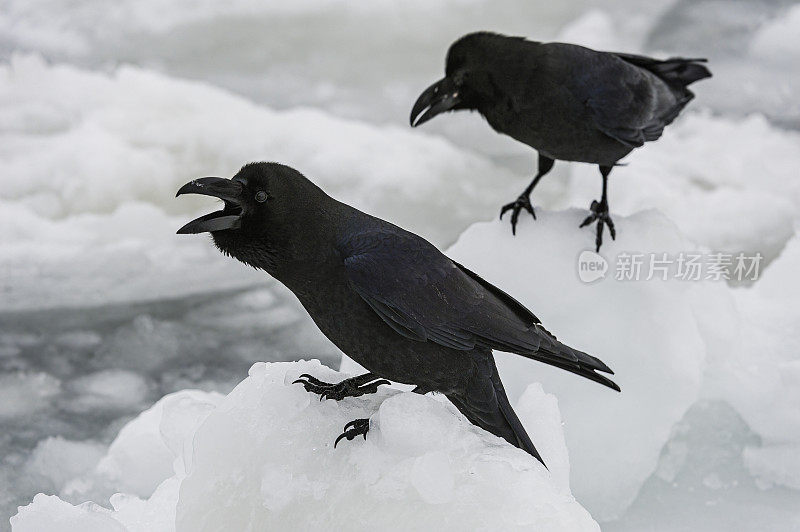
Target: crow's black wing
[
  {"x": 425, "y": 296},
  {"x": 630, "y": 105},
  {"x": 629, "y": 98}
]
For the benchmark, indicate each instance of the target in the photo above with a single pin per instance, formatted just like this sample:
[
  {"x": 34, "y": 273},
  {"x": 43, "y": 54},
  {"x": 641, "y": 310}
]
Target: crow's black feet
[
  {"x": 353, "y": 387},
  {"x": 353, "y": 429},
  {"x": 601, "y": 216},
  {"x": 516, "y": 206}
]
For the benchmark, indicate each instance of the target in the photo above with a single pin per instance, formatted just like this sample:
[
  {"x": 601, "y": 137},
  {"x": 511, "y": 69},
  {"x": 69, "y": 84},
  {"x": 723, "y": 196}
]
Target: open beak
[
  {"x": 440, "y": 97},
  {"x": 225, "y": 189}
]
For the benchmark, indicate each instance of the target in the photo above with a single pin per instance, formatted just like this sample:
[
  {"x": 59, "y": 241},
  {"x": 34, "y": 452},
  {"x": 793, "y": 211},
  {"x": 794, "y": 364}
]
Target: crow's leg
[
  {"x": 354, "y": 428},
  {"x": 352, "y": 387},
  {"x": 524, "y": 199},
  {"x": 600, "y": 212}
]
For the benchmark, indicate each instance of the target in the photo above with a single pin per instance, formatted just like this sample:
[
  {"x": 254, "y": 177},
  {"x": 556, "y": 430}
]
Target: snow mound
[
  {"x": 645, "y": 330},
  {"x": 262, "y": 458}
]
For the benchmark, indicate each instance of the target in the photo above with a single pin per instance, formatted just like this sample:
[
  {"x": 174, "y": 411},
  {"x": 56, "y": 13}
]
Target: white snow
[{"x": 262, "y": 458}]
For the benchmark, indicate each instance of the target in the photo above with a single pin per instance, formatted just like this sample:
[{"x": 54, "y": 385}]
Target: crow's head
[
  {"x": 269, "y": 209},
  {"x": 468, "y": 82}
]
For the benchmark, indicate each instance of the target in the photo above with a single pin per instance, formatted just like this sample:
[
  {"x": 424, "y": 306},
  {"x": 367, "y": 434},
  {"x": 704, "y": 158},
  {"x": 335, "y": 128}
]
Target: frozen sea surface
[{"x": 105, "y": 109}]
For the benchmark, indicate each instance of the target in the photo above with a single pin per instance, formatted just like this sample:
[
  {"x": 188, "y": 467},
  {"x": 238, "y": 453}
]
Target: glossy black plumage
[
  {"x": 386, "y": 297},
  {"x": 566, "y": 101}
]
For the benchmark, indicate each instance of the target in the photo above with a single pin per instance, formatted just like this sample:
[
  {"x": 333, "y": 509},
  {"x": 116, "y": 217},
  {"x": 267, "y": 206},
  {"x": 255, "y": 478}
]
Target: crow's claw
[
  {"x": 310, "y": 378},
  {"x": 516, "y": 206},
  {"x": 353, "y": 387},
  {"x": 601, "y": 216},
  {"x": 353, "y": 429}
]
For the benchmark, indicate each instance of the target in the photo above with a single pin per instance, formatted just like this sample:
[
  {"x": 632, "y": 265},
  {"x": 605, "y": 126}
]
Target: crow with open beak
[
  {"x": 565, "y": 101},
  {"x": 386, "y": 297}
]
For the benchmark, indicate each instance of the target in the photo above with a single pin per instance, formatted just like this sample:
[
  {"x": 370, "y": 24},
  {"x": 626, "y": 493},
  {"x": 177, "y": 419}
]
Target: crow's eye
[{"x": 261, "y": 196}]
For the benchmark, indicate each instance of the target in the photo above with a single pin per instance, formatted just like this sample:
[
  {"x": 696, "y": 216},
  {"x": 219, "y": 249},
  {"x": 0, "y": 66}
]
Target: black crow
[
  {"x": 565, "y": 101},
  {"x": 386, "y": 297}
]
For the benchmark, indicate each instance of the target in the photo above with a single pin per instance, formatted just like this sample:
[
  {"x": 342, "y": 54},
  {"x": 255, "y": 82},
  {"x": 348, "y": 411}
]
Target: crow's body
[
  {"x": 566, "y": 101},
  {"x": 386, "y": 297}
]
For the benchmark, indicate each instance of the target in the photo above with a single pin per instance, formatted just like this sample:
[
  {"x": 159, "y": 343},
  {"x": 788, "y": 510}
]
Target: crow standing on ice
[
  {"x": 565, "y": 101},
  {"x": 386, "y": 297}
]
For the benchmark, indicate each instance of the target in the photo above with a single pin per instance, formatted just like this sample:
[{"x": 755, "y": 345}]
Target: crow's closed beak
[
  {"x": 440, "y": 97},
  {"x": 225, "y": 189}
]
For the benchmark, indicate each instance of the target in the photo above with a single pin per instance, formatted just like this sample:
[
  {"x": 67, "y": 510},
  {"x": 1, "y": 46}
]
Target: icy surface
[
  {"x": 109, "y": 162},
  {"x": 670, "y": 342},
  {"x": 751, "y": 46},
  {"x": 106, "y": 109},
  {"x": 747, "y": 203},
  {"x": 651, "y": 339},
  {"x": 70, "y": 379},
  {"x": 263, "y": 458}
]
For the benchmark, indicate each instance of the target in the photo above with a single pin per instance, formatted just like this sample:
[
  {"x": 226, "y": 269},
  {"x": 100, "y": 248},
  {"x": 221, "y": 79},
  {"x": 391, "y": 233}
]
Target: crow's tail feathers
[
  {"x": 563, "y": 356},
  {"x": 676, "y": 71},
  {"x": 486, "y": 405}
]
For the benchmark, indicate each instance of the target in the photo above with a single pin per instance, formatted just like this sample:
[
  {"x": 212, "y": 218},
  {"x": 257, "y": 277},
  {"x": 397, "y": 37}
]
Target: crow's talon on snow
[
  {"x": 352, "y": 387},
  {"x": 353, "y": 429},
  {"x": 601, "y": 216},
  {"x": 522, "y": 202}
]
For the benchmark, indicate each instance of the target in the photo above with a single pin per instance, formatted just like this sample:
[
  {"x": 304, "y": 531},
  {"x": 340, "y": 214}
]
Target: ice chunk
[
  {"x": 775, "y": 464},
  {"x": 60, "y": 460},
  {"x": 263, "y": 457},
  {"x": 645, "y": 330},
  {"x": 760, "y": 374},
  {"x": 48, "y": 512},
  {"x": 482, "y": 481},
  {"x": 711, "y": 196},
  {"x": 92, "y": 201},
  {"x": 144, "y": 453},
  {"x": 594, "y": 29},
  {"x": 778, "y": 40},
  {"x": 708, "y": 481},
  {"x": 752, "y": 48},
  {"x": 108, "y": 389},
  {"x": 539, "y": 413},
  {"x": 22, "y": 394}
]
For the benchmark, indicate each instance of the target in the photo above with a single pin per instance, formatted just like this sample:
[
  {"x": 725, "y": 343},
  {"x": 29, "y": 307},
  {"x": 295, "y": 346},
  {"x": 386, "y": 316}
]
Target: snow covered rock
[{"x": 262, "y": 458}]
